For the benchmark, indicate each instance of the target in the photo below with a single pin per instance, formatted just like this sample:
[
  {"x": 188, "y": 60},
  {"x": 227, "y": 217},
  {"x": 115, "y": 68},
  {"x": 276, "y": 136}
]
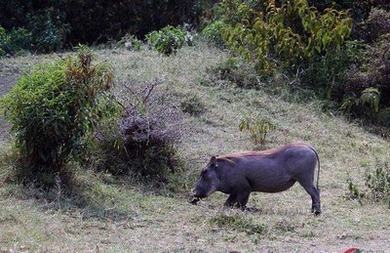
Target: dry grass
[{"x": 168, "y": 223}]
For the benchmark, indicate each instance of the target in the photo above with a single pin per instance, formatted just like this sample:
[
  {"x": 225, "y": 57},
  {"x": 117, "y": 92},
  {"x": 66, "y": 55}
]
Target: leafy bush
[
  {"x": 52, "y": 110},
  {"x": 377, "y": 184},
  {"x": 47, "y": 36},
  {"x": 369, "y": 99},
  {"x": 96, "y": 21},
  {"x": 326, "y": 73},
  {"x": 367, "y": 87},
  {"x": 167, "y": 40},
  {"x": 131, "y": 42},
  {"x": 14, "y": 41},
  {"x": 258, "y": 128},
  {"x": 283, "y": 36},
  {"x": 213, "y": 33}
]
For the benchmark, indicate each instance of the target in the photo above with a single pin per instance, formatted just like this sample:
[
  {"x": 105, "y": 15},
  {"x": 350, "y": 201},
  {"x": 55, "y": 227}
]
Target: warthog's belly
[{"x": 272, "y": 188}]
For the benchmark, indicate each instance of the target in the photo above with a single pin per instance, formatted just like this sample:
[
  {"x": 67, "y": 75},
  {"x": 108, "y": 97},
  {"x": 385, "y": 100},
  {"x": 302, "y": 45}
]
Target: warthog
[{"x": 273, "y": 170}]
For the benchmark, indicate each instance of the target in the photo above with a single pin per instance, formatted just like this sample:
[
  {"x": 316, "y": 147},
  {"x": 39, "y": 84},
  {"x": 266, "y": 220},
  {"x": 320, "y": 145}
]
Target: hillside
[{"x": 126, "y": 217}]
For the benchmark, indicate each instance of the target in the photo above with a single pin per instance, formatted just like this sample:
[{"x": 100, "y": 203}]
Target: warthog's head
[{"x": 208, "y": 181}]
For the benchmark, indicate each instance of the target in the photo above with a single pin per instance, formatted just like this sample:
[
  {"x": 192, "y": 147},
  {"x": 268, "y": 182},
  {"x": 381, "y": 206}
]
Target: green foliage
[
  {"x": 193, "y": 105},
  {"x": 167, "y": 40},
  {"x": 233, "y": 71},
  {"x": 47, "y": 36},
  {"x": 131, "y": 42},
  {"x": 354, "y": 192},
  {"x": 213, "y": 32},
  {"x": 369, "y": 99},
  {"x": 290, "y": 33},
  {"x": 239, "y": 223},
  {"x": 377, "y": 184},
  {"x": 95, "y": 21},
  {"x": 258, "y": 128},
  {"x": 367, "y": 86},
  {"x": 52, "y": 111},
  {"x": 326, "y": 73},
  {"x": 384, "y": 117},
  {"x": 14, "y": 41}
]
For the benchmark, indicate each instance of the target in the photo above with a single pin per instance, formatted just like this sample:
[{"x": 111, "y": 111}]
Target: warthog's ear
[{"x": 213, "y": 161}]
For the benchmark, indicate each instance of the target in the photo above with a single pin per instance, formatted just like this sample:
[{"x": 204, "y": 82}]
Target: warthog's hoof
[
  {"x": 316, "y": 212},
  {"x": 194, "y": 201}
]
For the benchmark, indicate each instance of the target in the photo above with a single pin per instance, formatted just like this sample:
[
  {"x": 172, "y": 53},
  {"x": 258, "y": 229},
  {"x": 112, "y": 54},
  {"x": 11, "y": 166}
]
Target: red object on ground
[{"x": 351, "y": 250}]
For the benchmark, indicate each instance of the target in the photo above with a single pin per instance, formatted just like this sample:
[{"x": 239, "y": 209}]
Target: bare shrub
[{"x": 145, "y": 136}]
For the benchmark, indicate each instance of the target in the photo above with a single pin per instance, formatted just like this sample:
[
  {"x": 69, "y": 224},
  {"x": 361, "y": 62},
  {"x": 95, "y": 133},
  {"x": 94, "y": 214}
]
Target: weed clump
[
  {"x": 377, "y": 185},
  {"x": 131, "y": 42},
  {"x": 192, "y": 105},
  {"x": 52, "y": 112},
  {"x": 258, "y": 128},
  {"x": 239, "y": 223}
]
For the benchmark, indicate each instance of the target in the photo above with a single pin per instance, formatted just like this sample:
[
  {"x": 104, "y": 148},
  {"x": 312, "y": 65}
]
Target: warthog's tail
[{"x": 318, "y": 165}]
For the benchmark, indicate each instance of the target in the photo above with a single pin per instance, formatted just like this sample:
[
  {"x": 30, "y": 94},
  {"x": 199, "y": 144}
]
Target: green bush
[
  {"x": 213, "y": 32},
  {"x": 378, "y": 182},
  {"x": 131, "y": 42},
  {"x": 52, "y": 111},
  {"x": 167, "y": 40},
  {"x": 14, "y": 41},
  {"x": 367, "y": 87},
  {"x": 47, "y": 35},
  {"x": 97, "y": 21},
  {"x": 377, "y": 185},
  {"x": 327, "y": 73},
  {"x": 257, "y": 127},
  {"x": 283, "y": 35}
]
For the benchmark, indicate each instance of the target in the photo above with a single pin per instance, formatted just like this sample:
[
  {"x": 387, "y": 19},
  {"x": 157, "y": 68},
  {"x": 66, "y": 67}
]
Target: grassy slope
[{"x": 163, "y": 223}]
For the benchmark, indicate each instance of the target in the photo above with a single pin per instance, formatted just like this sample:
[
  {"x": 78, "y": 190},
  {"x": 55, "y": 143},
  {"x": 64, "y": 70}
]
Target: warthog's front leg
[
  {"x": 232, "y": 199},
  {"x": 242, "y": 199}
]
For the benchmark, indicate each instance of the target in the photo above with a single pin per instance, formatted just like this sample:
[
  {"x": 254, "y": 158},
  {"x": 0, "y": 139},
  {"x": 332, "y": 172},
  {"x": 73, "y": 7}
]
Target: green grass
[{"x": 118, "y": 216}]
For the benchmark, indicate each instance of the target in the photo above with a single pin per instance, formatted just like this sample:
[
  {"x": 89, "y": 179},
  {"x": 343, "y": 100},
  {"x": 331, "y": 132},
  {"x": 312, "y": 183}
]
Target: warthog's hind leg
[{"x": 315, "y": 196}]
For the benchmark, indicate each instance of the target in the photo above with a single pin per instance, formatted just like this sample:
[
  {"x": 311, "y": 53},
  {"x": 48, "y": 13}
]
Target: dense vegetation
[
  {"x": 54, "y": 24},
  {"x": 325, "y": 48},
  {"x": 52, "y": 112}
]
